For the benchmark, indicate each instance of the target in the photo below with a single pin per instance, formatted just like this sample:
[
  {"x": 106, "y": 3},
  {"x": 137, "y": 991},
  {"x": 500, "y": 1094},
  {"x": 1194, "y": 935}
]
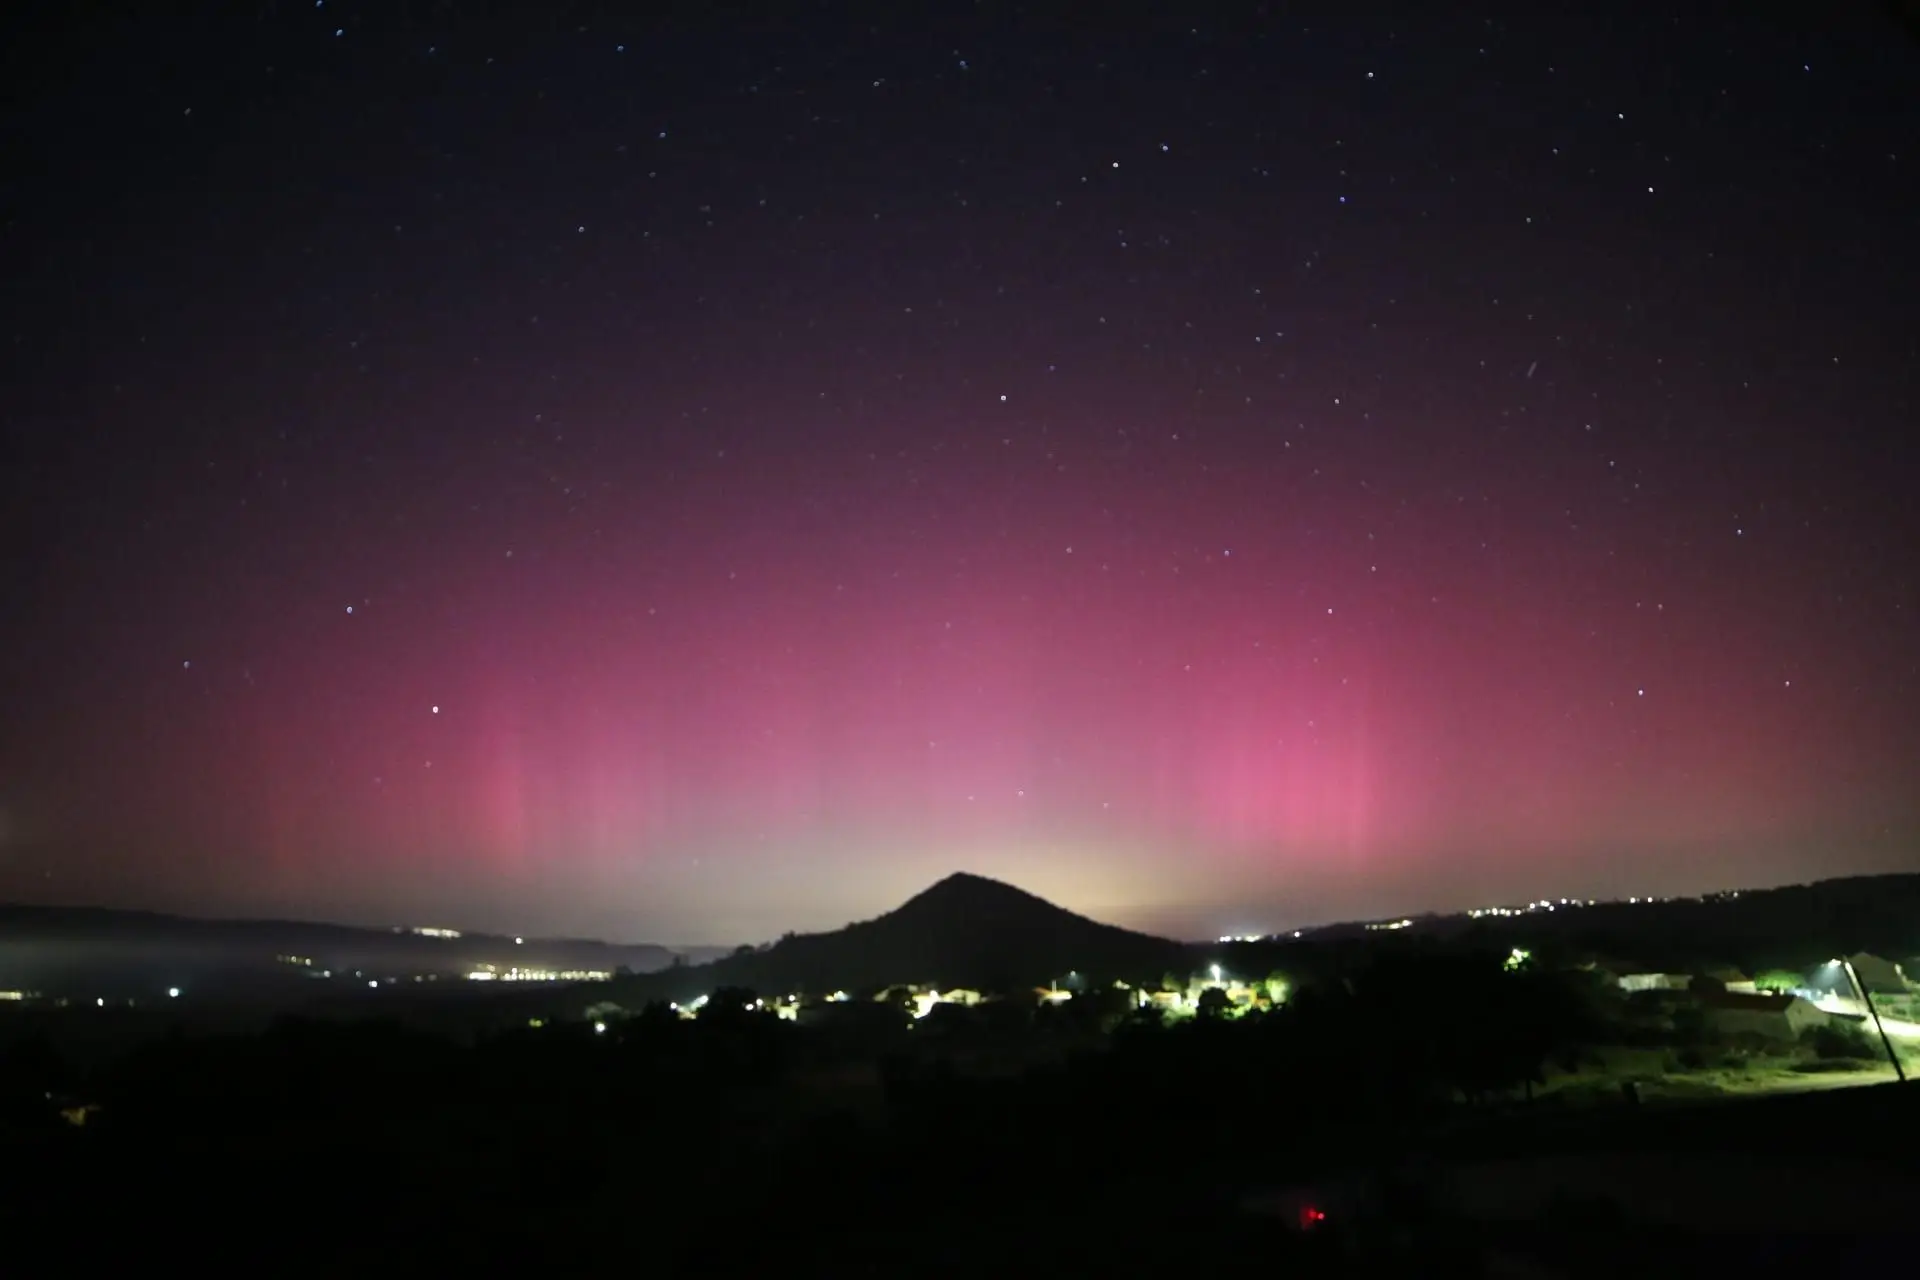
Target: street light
[
  {"x": 1216, "y": 973},
  {"x": 1860, "y": 989}
]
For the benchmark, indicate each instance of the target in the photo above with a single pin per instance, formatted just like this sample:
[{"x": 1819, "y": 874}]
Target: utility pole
[{"x": 1861, "y": 990}]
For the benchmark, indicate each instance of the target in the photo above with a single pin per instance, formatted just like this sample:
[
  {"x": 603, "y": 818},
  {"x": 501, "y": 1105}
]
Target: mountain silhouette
[{"x": 965, "y": 931}]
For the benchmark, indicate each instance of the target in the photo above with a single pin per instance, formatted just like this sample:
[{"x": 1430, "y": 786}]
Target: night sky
[{"x": 525, "y": 467}]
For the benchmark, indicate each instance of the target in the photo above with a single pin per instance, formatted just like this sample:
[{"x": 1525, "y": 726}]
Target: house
[
  {"x": 926, "y": 999},
  {"x": 1774, "y": 1017},
  {"x": 1879, "y": 977},
  {"x": 1654, "y": 981},
  {"x": 1631, "y": 976},
  {"x": 1722, "y": 977}
]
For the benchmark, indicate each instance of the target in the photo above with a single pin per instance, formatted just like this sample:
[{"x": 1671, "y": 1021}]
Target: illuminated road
[
  {"x": 1897, "y": 1028},
  {"x": 1821, "y": 1082}
]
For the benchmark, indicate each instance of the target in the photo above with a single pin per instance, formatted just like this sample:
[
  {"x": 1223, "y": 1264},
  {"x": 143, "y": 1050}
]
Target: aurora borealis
[{"x": 689, "y": 480}]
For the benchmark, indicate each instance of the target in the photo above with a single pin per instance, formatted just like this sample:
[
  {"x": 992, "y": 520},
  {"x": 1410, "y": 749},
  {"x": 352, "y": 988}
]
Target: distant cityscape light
[{"x": 516, "y": 974}]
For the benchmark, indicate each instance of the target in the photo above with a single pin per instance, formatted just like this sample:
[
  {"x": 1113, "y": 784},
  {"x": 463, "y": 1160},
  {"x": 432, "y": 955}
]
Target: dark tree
[{"x": 734, "y": 1007}]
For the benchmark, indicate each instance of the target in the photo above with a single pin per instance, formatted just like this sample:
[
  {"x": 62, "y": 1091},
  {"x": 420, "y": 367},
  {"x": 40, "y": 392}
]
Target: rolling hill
[
  {"x": 971, "y": 931},
  {"x": 966, "y": 930},
  {"x": 99, "y": 951},
  {"x": 1791, "y": 926}
]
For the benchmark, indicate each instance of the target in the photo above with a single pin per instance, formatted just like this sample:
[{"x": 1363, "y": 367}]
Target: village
[
  {"x": 1681, "y": 1032},
  {"x": 1861, "y": 991},
  {"x": 930, "y": 1004}
]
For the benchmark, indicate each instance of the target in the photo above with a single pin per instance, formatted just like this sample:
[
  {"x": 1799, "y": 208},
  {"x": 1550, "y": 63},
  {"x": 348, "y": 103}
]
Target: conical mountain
[{"x": 966, "y": 930}]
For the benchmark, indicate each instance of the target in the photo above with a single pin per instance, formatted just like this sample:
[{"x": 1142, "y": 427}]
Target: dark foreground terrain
[{"x": 1325, "y": 1138}]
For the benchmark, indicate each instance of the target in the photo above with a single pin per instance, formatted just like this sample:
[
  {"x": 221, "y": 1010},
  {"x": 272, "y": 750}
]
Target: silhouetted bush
[{"x": 1838, "y": 1040}]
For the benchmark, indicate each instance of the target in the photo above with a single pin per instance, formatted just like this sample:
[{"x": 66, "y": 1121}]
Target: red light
[{"x": 1311, "y": 1217}]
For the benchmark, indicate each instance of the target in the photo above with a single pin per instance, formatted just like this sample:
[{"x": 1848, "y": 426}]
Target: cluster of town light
[
  {"x": 1545, "y": 904},
  {"x": 517, "y": 974},
  {"x": 921, "y": 1003},
  {"x": 1549, "y": 904}
]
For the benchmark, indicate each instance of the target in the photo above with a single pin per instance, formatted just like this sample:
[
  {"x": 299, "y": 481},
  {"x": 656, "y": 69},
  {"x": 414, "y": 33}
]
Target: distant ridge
[
  {"x": 969, "y": 930},
  {"x": 1790, "y": 924},
  {"x": 111, "y": 951},
  {"x": 37, "y": 918},
  {"x": 965, "y": 930}
]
